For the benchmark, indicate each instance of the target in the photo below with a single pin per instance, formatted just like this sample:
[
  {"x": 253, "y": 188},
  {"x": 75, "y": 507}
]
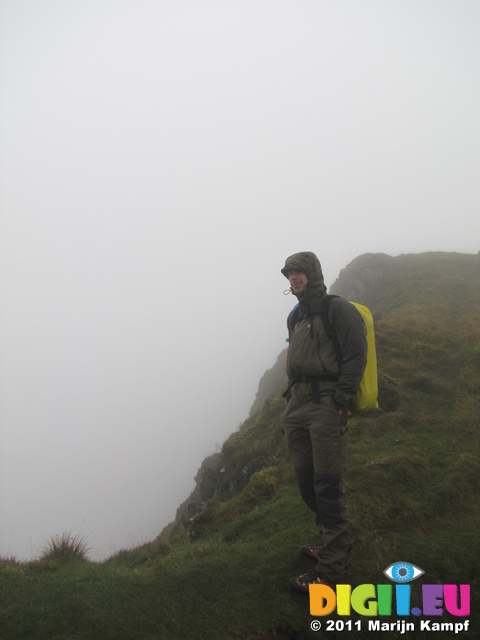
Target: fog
[{"x": 159, "y": 159}]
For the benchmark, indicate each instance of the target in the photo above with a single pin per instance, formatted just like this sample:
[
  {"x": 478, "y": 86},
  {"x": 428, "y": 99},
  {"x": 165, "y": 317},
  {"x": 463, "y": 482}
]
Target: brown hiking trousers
[{"x": 316, "y": 436}]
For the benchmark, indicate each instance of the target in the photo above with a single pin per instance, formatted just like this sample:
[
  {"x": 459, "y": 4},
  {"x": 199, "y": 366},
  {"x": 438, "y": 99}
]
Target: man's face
[{"x": 298, "y": 281}]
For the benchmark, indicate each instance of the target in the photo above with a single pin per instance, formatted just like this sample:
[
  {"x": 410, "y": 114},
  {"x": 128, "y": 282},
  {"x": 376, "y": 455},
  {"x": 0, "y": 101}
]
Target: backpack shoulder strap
[
  {"x": 329, "y": 328},
  {"x": 292, "y": 320}
]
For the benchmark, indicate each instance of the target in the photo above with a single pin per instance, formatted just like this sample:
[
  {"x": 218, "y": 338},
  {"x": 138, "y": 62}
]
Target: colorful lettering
[
  {"x": 432, "y": 599},
  {"x": 402, "y": 595},
  {"x": 450, "y": 593},
  {"x": 363, "y": 601},
  {"x": 384, "y": 597},
  {"x": 372, "y": 600},
  {"x": 322, "y": 600},
  {"x": 344, "y": 593}
]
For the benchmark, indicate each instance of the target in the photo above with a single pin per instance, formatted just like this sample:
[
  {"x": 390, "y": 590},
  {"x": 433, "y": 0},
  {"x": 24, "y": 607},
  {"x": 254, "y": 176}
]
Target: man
[{"x": 322, "y": 379}]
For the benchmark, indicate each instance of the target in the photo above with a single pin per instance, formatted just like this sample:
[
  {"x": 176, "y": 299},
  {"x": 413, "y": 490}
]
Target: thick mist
[{"x": 158, "y": 162}]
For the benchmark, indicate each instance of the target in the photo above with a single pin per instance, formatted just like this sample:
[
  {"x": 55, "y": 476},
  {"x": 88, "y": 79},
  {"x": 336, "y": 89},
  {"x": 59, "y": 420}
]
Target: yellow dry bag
[{"x": 366, "y": 397}]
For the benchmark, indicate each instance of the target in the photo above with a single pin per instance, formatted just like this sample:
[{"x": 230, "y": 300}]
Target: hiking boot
[
  {"x": 310, "y": 553},
  {"x": 301, "y": 583}
]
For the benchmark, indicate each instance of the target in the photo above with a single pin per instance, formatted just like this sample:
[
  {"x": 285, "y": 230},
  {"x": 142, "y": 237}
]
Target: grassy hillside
[{"x": 220, "y": 571}]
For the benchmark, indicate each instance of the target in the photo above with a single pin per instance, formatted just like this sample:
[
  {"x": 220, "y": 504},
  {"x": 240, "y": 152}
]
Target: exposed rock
[
  {"x": 359, "y": 280},
  {"x": 205, "y": 486}
]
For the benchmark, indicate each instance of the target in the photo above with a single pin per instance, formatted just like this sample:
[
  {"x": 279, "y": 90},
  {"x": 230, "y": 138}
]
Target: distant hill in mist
[{"x": 219, "y": 571}]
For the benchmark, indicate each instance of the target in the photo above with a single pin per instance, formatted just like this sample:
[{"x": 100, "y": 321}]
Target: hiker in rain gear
[{"x": 321, "y": 381}]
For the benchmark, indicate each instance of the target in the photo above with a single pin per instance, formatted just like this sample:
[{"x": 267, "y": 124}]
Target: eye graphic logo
[{"x": 403, "y": 572}]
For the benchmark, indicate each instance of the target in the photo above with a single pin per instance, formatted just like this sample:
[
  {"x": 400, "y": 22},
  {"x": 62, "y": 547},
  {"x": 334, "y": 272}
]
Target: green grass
[
  {"x": 220, "y": 571},
  {"x": 66, "y": 549}
]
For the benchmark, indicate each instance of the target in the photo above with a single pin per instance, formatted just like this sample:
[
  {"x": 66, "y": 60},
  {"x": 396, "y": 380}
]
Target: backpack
[{"x": 366, "y": 397}]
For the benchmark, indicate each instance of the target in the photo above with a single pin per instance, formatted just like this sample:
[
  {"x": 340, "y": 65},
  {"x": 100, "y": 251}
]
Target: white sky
[{"x": 158, "y": 162}]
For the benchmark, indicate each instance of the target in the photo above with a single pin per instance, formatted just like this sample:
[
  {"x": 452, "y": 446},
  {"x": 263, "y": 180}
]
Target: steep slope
[
  {"x": 434, "y": 286},
  {"x": 270, "y": 383},
  {"x": 414, "y": 469},
  {"x": 220, "y": 570}
]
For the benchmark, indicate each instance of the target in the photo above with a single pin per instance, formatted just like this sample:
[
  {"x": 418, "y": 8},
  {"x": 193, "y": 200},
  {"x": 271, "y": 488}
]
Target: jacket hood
[{"x": 308, "y": 263}]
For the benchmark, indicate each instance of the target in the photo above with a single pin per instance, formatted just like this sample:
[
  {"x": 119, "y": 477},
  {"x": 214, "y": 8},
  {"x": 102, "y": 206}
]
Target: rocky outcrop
[
  {"x": 205, "y": 485},
  {"x": 359, "y": 280}
]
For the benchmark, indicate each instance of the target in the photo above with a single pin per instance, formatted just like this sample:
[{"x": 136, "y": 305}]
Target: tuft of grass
[{"x": 66, "y": 549}]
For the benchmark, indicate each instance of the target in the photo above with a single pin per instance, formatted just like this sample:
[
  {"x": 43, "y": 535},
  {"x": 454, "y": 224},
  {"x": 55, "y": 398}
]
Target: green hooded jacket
[{"x": 311, "y": 352}]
